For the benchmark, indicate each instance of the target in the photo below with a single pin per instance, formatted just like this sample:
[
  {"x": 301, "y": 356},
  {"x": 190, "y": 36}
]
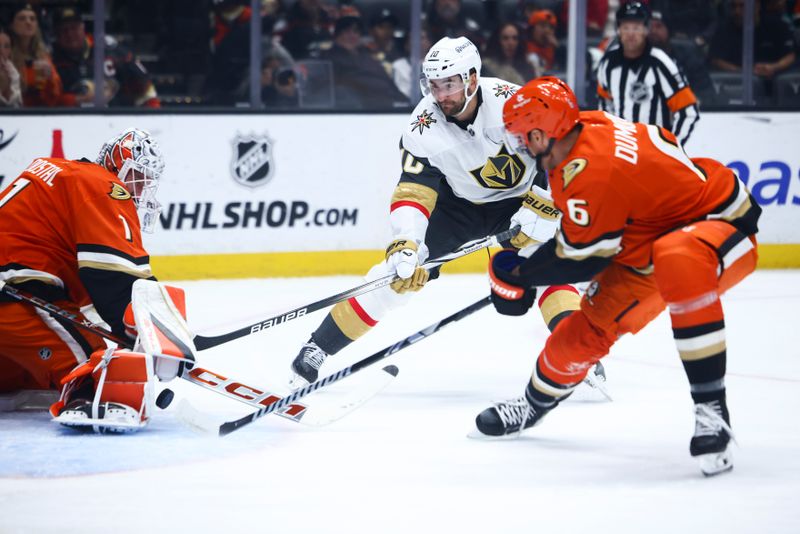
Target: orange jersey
[
  {"x": 61, "y": 223},
  {"x": 625, "y": 184}
]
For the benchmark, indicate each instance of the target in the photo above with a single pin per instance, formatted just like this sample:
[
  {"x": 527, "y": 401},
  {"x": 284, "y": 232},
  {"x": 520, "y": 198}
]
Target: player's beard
[{"x": 451, "y": 107}]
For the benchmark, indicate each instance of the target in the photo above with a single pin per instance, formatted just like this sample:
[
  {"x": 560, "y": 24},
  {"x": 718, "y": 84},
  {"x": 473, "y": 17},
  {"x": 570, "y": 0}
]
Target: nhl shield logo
[{"x": 251, "y": 164}]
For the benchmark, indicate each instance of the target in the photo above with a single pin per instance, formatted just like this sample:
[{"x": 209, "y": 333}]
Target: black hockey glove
[{"x": 509, "y": 295}]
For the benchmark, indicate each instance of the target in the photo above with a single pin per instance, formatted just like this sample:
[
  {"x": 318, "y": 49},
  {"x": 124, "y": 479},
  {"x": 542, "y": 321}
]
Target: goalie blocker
[{"x": 114, "y": 390}]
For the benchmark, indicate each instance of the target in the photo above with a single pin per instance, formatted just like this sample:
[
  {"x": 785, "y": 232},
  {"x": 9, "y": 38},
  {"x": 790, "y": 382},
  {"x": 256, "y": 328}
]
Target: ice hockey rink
[{"x": 403, "y": 461}]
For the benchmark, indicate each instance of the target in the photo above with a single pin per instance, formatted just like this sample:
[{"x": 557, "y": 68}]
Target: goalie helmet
[
  {"x": 136, "y": 159},
  {"x": 451, "y": 57}
]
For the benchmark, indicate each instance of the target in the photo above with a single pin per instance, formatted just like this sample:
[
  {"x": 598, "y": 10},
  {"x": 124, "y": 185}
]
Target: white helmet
[
  {"x": 135, "y": 158},
  {"x": 451, "y": 57}
]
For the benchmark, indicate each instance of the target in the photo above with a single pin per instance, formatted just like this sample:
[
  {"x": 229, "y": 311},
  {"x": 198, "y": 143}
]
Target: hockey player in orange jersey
[
  {"x": 651, "y": 228},
  {"x": 70, "y": 234}
]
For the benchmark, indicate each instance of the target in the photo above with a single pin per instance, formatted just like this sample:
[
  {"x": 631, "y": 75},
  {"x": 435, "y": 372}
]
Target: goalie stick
[
  {"x": 231, "y": 426},
  {"x": 199, "y": 376},
  {"x": 207, "y": 342}
]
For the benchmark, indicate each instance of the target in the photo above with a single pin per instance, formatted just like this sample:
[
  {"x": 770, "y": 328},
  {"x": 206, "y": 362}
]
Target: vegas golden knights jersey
[{"x": 471, "y": 158}]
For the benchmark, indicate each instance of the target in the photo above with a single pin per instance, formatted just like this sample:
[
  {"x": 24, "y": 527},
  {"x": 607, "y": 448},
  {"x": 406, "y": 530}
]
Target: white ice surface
[{"x": 403, "y": 463}]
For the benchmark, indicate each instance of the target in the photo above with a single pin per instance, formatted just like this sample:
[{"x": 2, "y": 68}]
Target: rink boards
[{"x": 248, "y": 195}]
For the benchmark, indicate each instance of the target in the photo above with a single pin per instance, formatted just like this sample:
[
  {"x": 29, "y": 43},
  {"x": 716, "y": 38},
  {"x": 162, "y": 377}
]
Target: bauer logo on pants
[{"x": 251, "y": 164}]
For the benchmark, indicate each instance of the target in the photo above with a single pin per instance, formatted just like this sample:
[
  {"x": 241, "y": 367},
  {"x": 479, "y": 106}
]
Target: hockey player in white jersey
[{"x": 458, "y": 182}]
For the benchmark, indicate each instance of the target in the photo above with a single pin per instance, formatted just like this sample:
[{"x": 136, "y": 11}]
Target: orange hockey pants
[
  {"x": 36, "y": 351},
  {"x": 692, "y": 267}
]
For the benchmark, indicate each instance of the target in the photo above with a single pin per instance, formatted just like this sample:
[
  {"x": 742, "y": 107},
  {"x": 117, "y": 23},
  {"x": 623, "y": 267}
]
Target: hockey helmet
[
  {"x": 546, "y": 104},
  {"x": 135, "y": 158},
  {"x": 633, "y": 11},
  {"x": 450, "y": 57}
]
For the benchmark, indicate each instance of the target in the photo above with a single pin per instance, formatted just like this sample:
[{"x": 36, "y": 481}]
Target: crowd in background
[{"x": 354, "y": 55}]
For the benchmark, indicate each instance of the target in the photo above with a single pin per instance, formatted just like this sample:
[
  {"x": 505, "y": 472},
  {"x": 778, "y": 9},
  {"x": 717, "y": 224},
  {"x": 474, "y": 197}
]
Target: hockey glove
[
  {"x": 402, "y": 258},
  {"x": 509, "y": 296},
  {"x": 537, "y": 218}
]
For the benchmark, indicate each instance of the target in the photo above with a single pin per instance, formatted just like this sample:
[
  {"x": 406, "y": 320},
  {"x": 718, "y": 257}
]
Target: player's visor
[
  {"x": 442, "y": 87},
  {"x": 517, "y": 144}
]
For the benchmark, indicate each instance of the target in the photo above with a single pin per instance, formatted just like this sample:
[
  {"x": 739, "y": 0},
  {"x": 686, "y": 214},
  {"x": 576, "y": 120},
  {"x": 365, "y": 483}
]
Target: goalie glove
[
  {"x": 403, "y": 259},
  {"x": 509, "y": 296},
  {"x": 537, "y": 217}
]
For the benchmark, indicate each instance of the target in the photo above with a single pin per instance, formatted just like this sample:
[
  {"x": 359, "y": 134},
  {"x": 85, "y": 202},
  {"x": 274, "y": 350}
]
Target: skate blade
[
  {"x": 477, "y": 435},
  {"x": 296, "y": 382},
  {"x": 598, "y": 384},
  {"x": 715, "y": 463},
  {"x": 81, "y": 422}
]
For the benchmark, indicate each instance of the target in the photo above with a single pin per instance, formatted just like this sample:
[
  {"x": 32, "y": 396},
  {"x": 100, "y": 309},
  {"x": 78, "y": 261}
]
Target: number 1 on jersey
[
  {"x": 16, "y": 187},
  {"x": 128, "y": 234}
]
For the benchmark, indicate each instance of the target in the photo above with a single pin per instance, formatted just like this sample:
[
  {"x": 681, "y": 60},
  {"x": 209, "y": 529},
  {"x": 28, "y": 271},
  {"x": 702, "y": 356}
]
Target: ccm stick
[
  {"x": 289, "y": 400},
  {"x": 207, "y": 342},
  {"x": 199, "y": 376}
]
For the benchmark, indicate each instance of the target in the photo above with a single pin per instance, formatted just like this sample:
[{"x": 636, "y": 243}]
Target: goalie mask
[
  {"x": 136, "y": 159},
  {"x": 450, "y": 57}
]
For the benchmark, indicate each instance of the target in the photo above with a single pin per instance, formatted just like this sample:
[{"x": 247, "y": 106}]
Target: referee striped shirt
[{"x": 649, "y": 89}]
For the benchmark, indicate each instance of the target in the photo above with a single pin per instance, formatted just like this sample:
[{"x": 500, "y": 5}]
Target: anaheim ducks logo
[
  {"x": 504, "y": 89},
  {"x": 423, "y": 120},
  {"x": 573, "y": 169},
  {"x": 118, "y": 192},
  {"x": 503, "y": 171}
]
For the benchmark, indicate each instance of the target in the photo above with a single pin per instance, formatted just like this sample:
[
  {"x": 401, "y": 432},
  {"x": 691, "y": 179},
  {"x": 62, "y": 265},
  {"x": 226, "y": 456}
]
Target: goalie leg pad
[
  {"x": 160, "y": 313},
  {"x": 111, "y": 392}
]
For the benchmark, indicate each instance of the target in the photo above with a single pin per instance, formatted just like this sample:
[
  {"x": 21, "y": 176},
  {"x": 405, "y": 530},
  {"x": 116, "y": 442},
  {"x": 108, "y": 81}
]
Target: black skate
[
  {"x": 307, "y": 363},
  {"x": 712, "y": 436},
  {"x": 509, "y": 417}
]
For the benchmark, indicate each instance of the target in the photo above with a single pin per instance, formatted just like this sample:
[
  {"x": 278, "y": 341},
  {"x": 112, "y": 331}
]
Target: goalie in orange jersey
[
  {"x": 651, "y": 228},
  {"x": 70, "y": 234}
]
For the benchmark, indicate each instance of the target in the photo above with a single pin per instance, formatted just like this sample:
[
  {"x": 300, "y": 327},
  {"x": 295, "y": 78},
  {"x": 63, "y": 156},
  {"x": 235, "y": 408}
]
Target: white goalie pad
[{"x": 162, "y": 329}]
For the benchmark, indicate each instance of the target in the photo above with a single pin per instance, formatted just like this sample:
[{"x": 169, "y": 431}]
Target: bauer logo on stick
[{"x": 251, "y": 164}]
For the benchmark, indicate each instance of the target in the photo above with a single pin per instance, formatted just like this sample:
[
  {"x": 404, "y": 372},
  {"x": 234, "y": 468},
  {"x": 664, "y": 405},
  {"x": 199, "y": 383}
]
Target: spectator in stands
[
  {"x": 401, "y": 67},
  {"x": 542, "y": 42},
  {"x": 505, "y": 55},
  {"x": 687, "y": 55},
  {"x": 228, "y": 81},
  {"x": 773, "y": 40},
  {"x": 381, "y": 43},
  {"x": 308, "y": 24},
  {"x": 10, "y": 89},
  {"x": 596, "y": 15},
  {"x": 127, "y": 83},
  {"x": 278, "y": 85},
  {"x": 446, "y": 18},
  {"x": 230, "y": 60},
  {"x": 41, "y": 84},
  {"x": 360, "y": 82},
  {"x": 695, "y": 20}
]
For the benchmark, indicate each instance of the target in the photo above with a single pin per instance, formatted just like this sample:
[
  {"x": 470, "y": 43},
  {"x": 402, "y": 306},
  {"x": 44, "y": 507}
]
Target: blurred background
[{"x": 294, "y": 55}]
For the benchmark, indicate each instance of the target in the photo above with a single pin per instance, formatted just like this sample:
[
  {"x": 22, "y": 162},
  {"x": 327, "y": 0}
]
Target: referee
[{"x": 643, "y": 84}]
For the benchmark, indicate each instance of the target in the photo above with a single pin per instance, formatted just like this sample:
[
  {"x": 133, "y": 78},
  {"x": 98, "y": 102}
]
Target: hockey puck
[{"x": 165, "y": 398}]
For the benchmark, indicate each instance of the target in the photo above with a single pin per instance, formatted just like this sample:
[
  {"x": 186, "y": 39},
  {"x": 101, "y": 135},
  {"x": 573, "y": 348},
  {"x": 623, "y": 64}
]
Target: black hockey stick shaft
[
  {"x": 231, "y": 426},
  {"x": 61, "y": 313},
  {"x": 207, "y": 342}
]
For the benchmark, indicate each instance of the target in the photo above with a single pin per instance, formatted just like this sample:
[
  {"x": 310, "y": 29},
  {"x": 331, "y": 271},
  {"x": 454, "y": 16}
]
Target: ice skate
[
  {"x": 509, "y": 417},
  {"x": 712, "y": 436},
  {"x": 305, "y": 367},
  {"x": 111, "y": 417}
]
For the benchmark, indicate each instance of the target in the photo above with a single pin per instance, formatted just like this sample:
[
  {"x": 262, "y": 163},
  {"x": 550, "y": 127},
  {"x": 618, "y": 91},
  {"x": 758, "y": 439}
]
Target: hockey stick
[
  {"x": 231, "y": 426},
  {"x": 207, "y": 342},
  {"x": 197, "y": 375}
]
